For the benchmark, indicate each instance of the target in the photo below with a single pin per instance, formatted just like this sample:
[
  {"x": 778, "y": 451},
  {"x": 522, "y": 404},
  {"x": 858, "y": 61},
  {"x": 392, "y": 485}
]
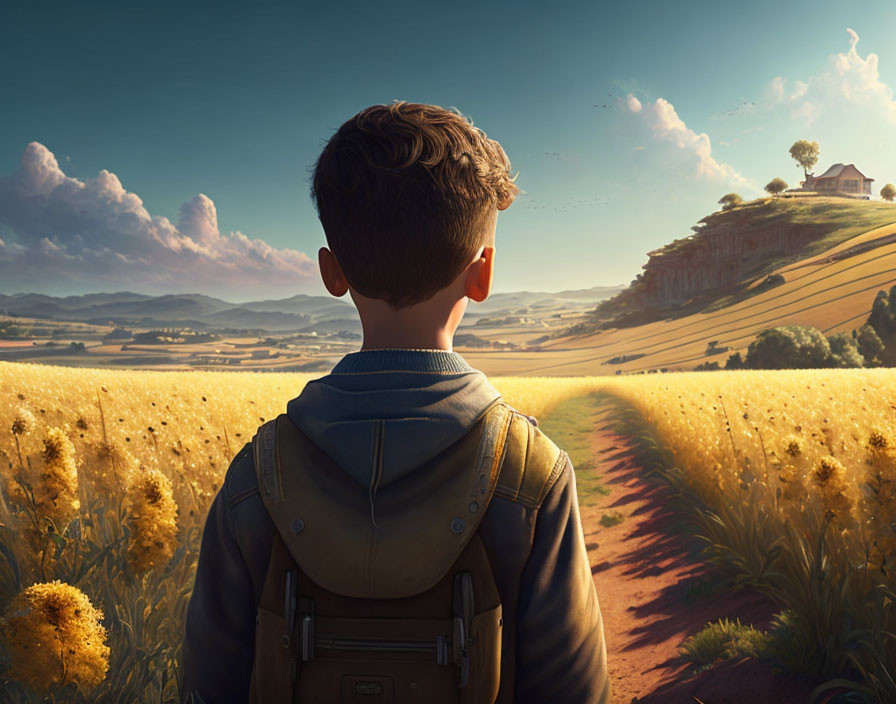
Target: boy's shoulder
[
  {"x": 241, "y": 481},
  {"x": 532, "y": 462}
]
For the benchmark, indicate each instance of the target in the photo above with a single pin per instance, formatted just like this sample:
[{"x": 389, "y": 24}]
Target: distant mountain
[
  {"x": 299, "y": 313},
  {"x": 243, "y": 317}
]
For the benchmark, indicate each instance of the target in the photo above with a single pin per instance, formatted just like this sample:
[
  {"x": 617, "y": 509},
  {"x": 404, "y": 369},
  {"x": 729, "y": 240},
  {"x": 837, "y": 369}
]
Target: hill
[
  {"x": 830, "y": 285},
  {"x": 731, "y": 253}
]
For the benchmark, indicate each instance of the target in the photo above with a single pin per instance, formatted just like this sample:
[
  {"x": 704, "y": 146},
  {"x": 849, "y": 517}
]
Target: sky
[{"x": 168, "y": 147}]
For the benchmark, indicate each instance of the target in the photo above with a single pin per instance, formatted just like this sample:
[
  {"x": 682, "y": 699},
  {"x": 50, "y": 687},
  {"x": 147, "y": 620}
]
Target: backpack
[{"x": 412, "y": 616}]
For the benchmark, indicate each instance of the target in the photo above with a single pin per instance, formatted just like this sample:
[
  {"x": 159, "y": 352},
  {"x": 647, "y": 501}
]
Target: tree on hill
[
  {"x": 883, "y": 320},
  {"x": 789, "y": 347},
  {"x": 869, "y": 345},
  {"x": 888, "y": 192},
  {"x": 730, "y": 200},
  {"x": 805, "y": 154},
  {"x": 776, "y": 186},
  {"x": 735, "y": 361},
  {"x": 844, "y": 351}
]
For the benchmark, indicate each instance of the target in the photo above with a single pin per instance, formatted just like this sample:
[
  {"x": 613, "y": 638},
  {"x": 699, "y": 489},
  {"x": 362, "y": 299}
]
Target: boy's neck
[
  {"x": 427, "y": 326},
  {"x": 443, "y": 342}
]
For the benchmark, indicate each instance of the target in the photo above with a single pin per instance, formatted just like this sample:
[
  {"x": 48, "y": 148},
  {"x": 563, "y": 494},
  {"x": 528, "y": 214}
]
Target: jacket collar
[{"x": 406, "y": 360}]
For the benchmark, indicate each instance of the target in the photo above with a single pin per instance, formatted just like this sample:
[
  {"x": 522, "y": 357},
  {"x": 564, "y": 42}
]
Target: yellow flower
[
  {"x": 792, "y": 445},
  {"x": 153, "y": 521},
  {"x": 56, "y": 638},
  {"x": 56, "y": 493},
  {"x": 877, "y": 440},
  {"x": 23, "y": 422},
  {"x": 830, "y": 476},
  {"x": 108, "y": 467}
]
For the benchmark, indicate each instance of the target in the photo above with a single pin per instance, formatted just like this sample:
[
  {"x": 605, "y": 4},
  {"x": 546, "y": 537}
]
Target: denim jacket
[{"x": 553, "y": 646}]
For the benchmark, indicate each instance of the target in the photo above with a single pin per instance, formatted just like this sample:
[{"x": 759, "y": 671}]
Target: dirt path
[{"x": 653, "y": 593}]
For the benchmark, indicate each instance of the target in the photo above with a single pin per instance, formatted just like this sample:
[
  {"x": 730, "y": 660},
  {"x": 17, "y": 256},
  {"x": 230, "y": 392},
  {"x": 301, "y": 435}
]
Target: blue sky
[{"x": 115, "y": 118}]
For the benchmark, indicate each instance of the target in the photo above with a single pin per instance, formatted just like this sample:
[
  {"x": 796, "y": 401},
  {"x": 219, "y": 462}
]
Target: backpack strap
[{"x": 532, "y": 463}]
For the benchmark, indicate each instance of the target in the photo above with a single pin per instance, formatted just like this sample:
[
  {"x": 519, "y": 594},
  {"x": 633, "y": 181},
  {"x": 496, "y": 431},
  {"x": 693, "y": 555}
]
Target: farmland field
[{"x": 107, "y": 477}]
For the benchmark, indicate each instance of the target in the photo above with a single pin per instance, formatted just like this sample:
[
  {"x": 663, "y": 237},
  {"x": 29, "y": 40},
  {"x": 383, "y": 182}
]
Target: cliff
[{"x": 731, "y": 249}]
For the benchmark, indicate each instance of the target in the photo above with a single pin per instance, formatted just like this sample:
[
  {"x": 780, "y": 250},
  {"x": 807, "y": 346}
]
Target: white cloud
[
  {"x": 779, "y": 90},
  {"x": 850, "y": 80},
  {"x": 96, "y": 232},
  {"x": 668, "y": 126},
  {"x": 633, "y": 103}
]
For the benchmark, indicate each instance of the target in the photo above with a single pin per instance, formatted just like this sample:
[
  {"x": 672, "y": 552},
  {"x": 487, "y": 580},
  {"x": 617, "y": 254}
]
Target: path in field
[{"x": 653, "y": 593}]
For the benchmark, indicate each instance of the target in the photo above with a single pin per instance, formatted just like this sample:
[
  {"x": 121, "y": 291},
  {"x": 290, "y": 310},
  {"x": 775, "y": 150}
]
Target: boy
[{"x": 408, "y": 196}]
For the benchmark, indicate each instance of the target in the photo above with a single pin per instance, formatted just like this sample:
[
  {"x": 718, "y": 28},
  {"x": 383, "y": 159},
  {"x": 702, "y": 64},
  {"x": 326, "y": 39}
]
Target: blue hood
[{"x": 428, "y": 399}]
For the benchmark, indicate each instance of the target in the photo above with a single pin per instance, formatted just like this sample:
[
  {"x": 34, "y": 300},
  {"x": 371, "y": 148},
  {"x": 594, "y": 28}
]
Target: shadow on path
[{"x": 654, "y": 591}]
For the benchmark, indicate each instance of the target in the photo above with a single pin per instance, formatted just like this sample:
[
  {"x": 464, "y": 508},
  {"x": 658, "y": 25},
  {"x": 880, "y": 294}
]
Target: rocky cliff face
[{"x": 722, "y": 253}]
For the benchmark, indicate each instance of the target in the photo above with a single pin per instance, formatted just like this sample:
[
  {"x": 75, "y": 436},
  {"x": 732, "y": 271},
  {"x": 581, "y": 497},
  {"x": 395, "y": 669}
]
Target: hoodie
[
  {"x": 431, "y": 403},
  {"x": 552, "y": 644}
]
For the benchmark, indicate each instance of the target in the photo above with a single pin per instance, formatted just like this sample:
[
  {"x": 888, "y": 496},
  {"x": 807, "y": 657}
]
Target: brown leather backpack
[{"x": 401, "y": 610}]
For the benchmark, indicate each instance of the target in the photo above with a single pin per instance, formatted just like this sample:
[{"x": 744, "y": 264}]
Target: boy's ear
[
  {"x": 479, "y": 277},
  {"x": 331, "y": 273}
]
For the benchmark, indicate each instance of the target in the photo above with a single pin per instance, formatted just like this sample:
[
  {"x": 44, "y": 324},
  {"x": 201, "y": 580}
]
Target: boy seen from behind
[{"x": 400, "y": 533}]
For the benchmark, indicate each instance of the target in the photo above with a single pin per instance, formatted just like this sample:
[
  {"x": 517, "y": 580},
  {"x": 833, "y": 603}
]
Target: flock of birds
[
  {"x": 533, "y": 204},
  {"x": 745, "y": 106}
]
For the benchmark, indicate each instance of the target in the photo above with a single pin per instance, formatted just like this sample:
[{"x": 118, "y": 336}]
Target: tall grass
[{"x": 106, "y": 478}]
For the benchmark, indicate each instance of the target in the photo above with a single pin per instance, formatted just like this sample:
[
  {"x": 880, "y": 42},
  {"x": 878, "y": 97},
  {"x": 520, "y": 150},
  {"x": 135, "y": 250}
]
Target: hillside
[
  {"x": 831, "y": 285},
  {"x": 832, "y": 291},
  {"x": 732, "y": 252}
]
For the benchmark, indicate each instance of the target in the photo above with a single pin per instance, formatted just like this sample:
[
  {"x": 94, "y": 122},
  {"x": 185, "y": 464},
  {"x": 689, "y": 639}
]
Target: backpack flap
[{"x": 423, "y": 520}]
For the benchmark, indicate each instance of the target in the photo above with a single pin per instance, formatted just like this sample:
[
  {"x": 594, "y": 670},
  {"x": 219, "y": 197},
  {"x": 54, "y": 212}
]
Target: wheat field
[{"x": 107, "y": 477}]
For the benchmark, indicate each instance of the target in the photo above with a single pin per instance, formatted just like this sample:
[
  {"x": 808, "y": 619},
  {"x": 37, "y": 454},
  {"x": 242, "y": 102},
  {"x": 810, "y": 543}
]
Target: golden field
[{"x": 108, "y": 475}]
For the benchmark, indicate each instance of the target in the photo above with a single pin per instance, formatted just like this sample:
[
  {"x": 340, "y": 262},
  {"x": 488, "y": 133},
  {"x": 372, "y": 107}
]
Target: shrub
[
  {"x": 789, "y": 347},
  {"x": 735, "y": 361},
  {"x": 844, "y": 352},
  {"x": 869, "y": 345},
  {"x": 724, "y": 639},
  {"x": 730, "y": 200},
  {"x": 776, "y": 186}
]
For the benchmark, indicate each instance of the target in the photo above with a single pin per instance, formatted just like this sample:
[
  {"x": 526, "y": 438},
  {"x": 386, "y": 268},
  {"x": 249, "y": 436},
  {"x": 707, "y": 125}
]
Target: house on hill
[{"x": 840, "y": 178}]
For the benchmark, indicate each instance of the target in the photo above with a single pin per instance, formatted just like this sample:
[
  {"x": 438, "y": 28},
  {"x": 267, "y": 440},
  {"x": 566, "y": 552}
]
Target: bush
[
  {"x": 707, "y": 367},
  {"x": 730, "y": 200},
  {"x": 883, "y": 320},
  {"x": 735, "y": 361},
  {"x": 869, "y": 345},
  {"x": 776, "y": 186},
  {"x": 789, "y": 347},
  {"x": 724, "y": 639},
  {"x": 844, "y": 352},
  {"x": 888, "y": 192}
]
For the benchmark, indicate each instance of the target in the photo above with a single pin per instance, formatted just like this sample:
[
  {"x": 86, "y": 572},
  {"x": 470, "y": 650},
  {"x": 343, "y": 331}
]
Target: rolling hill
[{"x": 830, "y": 285}]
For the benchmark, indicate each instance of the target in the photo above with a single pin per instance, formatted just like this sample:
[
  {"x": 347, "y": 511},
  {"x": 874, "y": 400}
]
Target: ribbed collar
[{"x": 402, "y": 360}]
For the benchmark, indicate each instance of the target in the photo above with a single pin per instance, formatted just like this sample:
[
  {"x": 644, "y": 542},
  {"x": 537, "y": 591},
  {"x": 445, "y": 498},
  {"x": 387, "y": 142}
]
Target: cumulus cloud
[
  {"x": 96, "y": 232},
  {"x": 849, "y": 80},
  {"x": 666, "y": 125},
  {"x": 633, "y": 103}
]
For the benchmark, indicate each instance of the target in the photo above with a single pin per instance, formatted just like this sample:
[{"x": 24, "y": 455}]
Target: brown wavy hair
[{"x": 404, "y": 192}]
